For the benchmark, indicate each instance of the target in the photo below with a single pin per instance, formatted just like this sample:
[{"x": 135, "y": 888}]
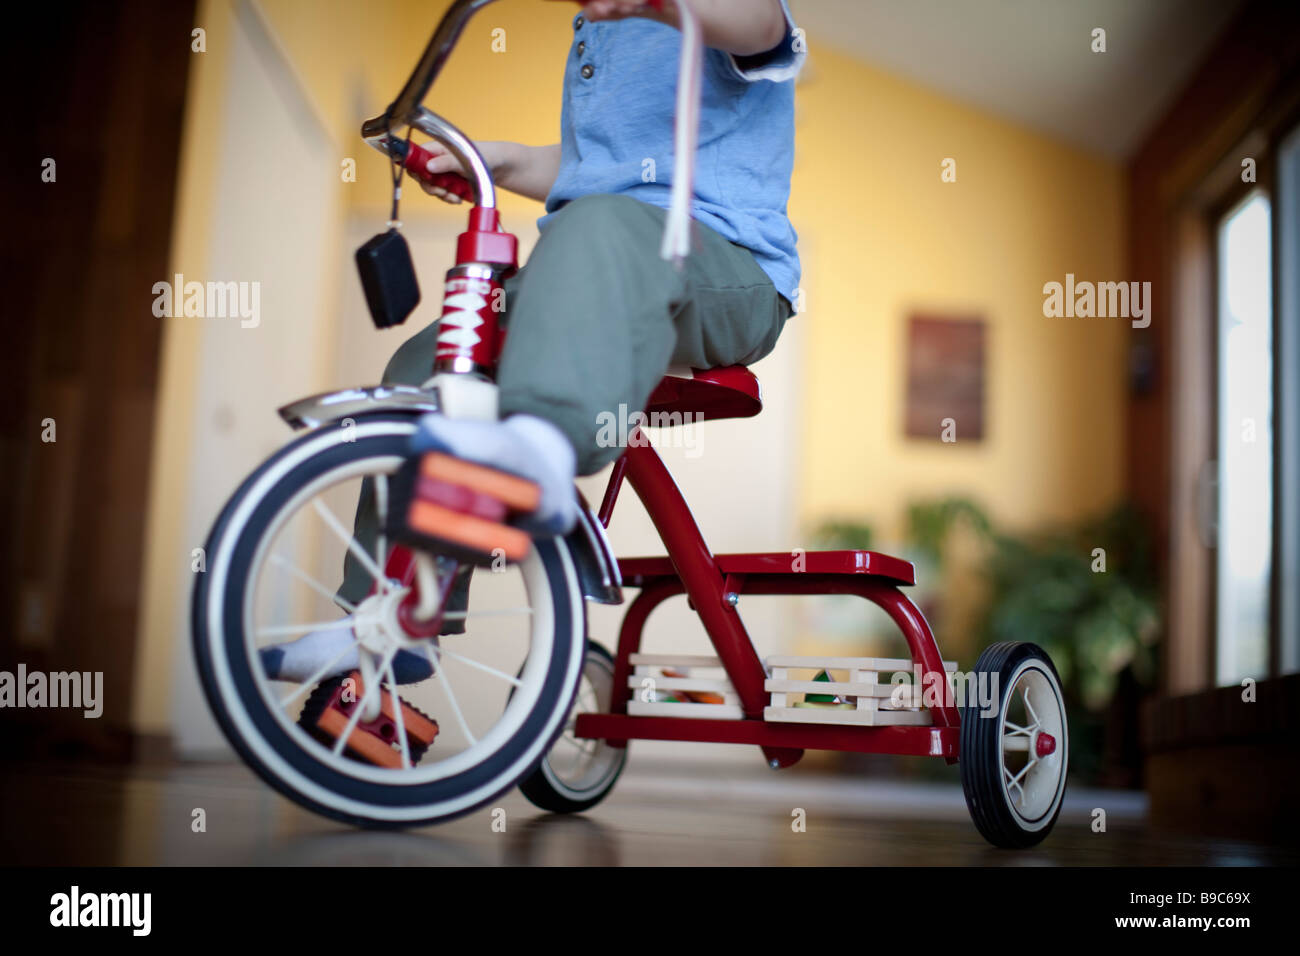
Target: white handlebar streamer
[{"x": 677, "y": 230}]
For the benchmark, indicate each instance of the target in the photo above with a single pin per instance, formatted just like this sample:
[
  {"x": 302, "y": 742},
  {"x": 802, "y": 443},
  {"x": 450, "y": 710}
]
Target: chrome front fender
[
  {"x": 329, "y": 407},
  {"x": 598, "y": 574}
]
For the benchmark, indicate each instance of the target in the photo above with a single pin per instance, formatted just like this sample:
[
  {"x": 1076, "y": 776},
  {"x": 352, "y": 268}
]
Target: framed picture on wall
[{"x": 945, "y": 378}]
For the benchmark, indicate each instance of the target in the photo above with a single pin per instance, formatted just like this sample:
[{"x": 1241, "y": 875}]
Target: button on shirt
[{"x": 616, "y": 136}]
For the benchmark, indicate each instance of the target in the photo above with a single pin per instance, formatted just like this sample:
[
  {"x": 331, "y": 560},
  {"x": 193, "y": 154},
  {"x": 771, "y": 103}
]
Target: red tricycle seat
[{"x": 730, "y": 391}]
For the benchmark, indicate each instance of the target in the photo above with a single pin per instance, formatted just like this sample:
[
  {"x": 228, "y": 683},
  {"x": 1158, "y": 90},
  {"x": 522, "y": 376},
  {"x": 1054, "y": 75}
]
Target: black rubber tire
[
  {"x": 225, "y": 669},
  {"x": 541, "y": 786},
  {"x": 981, "y": 746}
]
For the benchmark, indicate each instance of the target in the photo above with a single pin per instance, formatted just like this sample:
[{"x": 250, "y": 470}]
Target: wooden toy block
[
  {"x": 855, "y": 688},
  {"x": 823, "y": 677},
  {"x": 679, "y": 690},
  {"x": 695, "y": 696},
  {"x": 862, "y": 699},
  {"x": 662, "y": 682}
]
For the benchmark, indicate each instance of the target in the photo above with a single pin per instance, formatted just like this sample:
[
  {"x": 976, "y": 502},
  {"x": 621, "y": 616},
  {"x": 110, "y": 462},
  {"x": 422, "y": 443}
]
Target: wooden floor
[{"x": 659, "y": 814}]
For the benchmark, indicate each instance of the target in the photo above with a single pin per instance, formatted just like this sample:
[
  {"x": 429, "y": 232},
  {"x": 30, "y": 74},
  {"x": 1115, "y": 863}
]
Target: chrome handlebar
[
  {"x": 378, "y": 133},
  {"x": 407, "y": 109},
  {"x": 435, "y": 55}
]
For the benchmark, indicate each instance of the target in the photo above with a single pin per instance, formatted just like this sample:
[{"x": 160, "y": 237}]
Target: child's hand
[
  {"x": 494, "y": 154},
  {"x": 526, "y": 170},
  {"x": 441, "y": 162}
]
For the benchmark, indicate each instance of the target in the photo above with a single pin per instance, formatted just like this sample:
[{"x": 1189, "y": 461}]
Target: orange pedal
[
  {"x": 517, "y": 494},
  {"x": 417, "y": 726},
  {"x": 331, "y": 707},
  {"x": 476, "y": 534},
  {"x": 367, "y": 745}
]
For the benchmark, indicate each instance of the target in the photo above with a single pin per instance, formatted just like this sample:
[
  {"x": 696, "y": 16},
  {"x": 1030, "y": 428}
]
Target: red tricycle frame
[{"x": 714, "y": 585}]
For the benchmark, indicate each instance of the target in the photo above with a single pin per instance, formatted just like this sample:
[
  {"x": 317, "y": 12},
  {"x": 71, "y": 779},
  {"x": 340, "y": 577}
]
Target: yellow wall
[
  {"x": 324, "y": 66},
  {"x": 355, "y": 57},
  {"x": 174, "y": 412},
  {"x": 881, "y": 235}
]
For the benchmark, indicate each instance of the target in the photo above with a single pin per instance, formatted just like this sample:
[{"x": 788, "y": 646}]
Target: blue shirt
[{"x": 620, "y": 85}]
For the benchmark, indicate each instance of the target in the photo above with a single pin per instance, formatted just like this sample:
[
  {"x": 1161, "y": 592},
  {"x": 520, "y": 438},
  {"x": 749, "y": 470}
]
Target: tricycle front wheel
[{"x": 483, "y": 708}]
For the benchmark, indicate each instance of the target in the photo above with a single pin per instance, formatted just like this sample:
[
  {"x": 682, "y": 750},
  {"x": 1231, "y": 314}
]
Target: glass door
[{"x": 1245, "y": 441}]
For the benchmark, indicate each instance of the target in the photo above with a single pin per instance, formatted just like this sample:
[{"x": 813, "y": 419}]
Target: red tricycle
[{"x": 455, "y": 687}]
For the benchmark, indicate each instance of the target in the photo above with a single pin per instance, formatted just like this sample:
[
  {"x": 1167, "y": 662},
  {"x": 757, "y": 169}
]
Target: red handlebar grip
[{"x": 417, "y": 164}]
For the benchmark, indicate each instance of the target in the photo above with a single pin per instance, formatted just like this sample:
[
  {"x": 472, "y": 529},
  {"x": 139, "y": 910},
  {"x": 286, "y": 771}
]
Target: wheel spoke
[
  {"x": 1030, "y": 707},
  {"x": 398, "y": 718},
  {"x": 371, "y": 687},
  {"x": 507, "y": 612},
  {"x": 353, "y": 545},
  {"x": 1015, "y": 781},
  {"x": 370, "y": 676},
  {"x": 311, "y": 582},
  {"x": 1018, "y": 729},
  {"x": 288, "y": 630},
  {"x": 451, "y": 695},
  {"x": 583, "y": 751},
  {"x": 381, "y": 509},
  {"x": 483, "y": 667},
  {"x": 581, "y": 757}
]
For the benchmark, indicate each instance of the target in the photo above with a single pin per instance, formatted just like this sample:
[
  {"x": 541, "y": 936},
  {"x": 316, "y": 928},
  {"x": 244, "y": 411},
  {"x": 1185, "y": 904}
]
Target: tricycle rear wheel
[
  {"x": 578, "y": 773},
  {"x": 1014, "y": 758}
]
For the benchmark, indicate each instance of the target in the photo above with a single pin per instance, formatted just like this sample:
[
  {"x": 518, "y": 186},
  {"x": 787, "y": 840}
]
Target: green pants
[
  {"x": 595, "y": 318},
  {"x": 593, "y": 321}
]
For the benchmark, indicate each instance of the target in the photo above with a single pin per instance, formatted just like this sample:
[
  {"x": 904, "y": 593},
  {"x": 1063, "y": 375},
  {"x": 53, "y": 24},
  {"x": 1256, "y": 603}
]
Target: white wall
[{"x": 275, "y": 221}]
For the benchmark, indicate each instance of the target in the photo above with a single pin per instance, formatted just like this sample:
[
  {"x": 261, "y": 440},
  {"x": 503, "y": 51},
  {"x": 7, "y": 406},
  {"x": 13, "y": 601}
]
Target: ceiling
[{"x": 1031, "y": 60}]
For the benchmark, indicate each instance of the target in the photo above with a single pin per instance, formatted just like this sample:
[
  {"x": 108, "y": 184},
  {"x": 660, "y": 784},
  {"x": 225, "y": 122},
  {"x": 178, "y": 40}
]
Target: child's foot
[
  {"x": 522, "y": 445},
  {"x": 301, "y": 660}
]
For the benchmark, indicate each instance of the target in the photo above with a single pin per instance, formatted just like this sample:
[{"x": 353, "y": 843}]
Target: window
[
  {"x": 1243, "y": 568},
  {"x": 1287, "y": 389}
]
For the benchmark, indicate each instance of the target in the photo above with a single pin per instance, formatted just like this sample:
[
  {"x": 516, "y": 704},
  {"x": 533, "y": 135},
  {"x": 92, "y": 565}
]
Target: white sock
[
  {"x": 299, "y": 660},
  {"x": 524, "y": 445}
]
